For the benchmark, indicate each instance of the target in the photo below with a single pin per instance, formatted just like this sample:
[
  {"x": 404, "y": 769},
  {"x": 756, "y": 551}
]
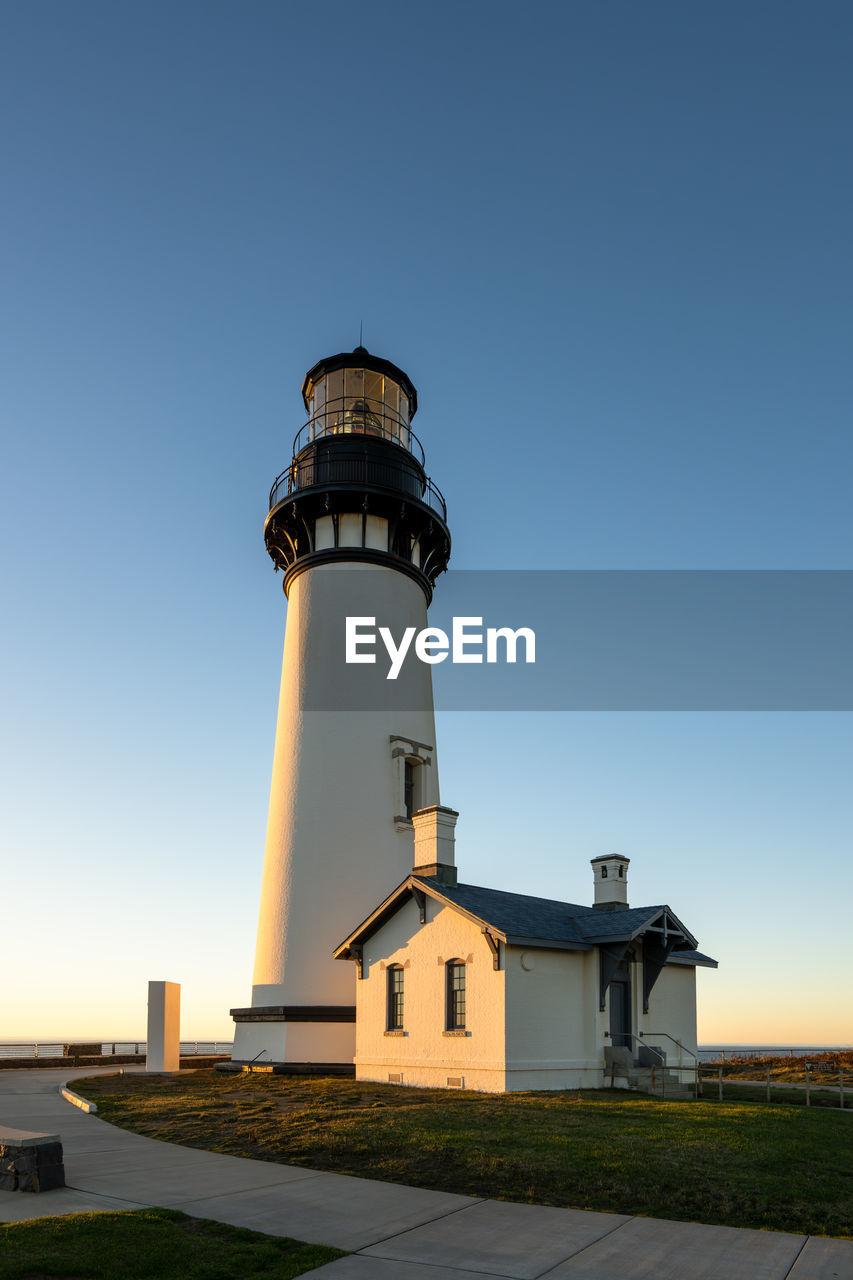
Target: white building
[{"x": 468, "y": 987}]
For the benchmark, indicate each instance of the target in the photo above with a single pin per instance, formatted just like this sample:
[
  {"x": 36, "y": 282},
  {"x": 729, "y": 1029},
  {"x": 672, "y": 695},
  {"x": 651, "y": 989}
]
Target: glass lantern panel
[
  {"x": 353, "y": 420},
  {"x": 392, "y": 420},
  {"x": 353, "y": 385},
  {"x": 405, "y": 438},
  {"x": 373, "y": 392},
  {"x": 318, "y": 408},
  {"x": 334, "y": 400}
]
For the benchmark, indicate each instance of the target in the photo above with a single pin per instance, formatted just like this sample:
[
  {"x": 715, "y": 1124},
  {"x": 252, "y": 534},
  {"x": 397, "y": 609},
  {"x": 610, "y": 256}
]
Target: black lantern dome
[{"x": 357, "y": 488}]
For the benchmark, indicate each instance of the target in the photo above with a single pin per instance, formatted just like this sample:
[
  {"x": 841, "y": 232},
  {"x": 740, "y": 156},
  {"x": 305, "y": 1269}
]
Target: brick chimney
[
  {"x": 611, "y": 882},
  {"x": 435, "y": 843}
]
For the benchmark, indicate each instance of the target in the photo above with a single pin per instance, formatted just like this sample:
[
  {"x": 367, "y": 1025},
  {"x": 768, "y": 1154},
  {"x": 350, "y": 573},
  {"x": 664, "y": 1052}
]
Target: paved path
[{"x": 394, "y": 1232}]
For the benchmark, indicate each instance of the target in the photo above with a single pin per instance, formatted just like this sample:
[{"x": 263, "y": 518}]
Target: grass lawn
[
  {"x": 821, "y": 1094},
  {"x": 741, "y": 1164},
  {"x": 149, "y": 1244}
]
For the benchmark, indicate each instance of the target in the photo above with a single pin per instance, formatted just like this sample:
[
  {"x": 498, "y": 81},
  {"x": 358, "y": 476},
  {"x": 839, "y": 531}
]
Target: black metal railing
[
  {"x": 351, "y": 466},
  {"x": 360, "y": 418}
]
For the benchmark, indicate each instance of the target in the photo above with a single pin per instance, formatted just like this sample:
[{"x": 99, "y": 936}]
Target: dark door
[{"x": 620, "y": 1009}]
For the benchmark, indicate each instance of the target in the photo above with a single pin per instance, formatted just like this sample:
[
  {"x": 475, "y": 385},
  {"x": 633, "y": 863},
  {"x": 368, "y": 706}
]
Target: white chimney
[
  {"x": 435, "y": 842},
  {"x": 611, "y": 882}
]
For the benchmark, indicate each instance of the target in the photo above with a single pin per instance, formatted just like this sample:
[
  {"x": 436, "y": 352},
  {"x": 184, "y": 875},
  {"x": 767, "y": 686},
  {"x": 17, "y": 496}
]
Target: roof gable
[{"x": 522, "y": 920}]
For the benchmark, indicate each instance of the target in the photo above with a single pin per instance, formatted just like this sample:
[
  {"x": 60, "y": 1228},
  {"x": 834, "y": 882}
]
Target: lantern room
[{"x": 356, "y": 393}]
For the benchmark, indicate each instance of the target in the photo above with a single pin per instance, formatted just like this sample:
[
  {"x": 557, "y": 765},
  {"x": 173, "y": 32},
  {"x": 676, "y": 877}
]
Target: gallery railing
[
  {"x": 350, "y": 465},
  {"x": 362, "y": 418}
]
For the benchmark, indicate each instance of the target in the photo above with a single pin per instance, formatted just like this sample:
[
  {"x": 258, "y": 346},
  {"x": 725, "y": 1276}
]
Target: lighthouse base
[{"x": 303, "y": 1037}]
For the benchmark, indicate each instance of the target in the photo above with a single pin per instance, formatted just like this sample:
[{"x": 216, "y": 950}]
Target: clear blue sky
[{"x": 611, "y": 245}]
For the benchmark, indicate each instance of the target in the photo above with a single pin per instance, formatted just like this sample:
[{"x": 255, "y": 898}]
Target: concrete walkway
[{"x": 394, "y": 1232}]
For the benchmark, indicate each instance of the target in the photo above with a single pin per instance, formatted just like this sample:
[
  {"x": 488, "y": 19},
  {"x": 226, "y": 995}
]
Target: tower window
[
  {"x": 414, "y": 787},
  {"x": 455, "y": 995},
  {"x": 409, "y": 789},
  {"x": 604, "y": 873},
  {"x": 395, "y": 998}
]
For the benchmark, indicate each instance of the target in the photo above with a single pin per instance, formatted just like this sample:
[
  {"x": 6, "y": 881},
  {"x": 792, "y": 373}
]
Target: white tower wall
[{"x": 336, "y": 844}]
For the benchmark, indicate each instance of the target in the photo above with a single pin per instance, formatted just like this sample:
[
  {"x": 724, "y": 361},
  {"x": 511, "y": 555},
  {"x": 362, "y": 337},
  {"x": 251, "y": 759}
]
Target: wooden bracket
[
  {"x": 494, "y": 947},
  {"x": 357, "y": 954}
]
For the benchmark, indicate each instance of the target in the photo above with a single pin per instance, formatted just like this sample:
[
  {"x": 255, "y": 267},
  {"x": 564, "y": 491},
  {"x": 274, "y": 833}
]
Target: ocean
[{"x": 713, "y": 1052}]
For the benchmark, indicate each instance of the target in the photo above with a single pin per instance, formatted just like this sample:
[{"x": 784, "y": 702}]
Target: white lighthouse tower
[{"x": 358, "y": 530}]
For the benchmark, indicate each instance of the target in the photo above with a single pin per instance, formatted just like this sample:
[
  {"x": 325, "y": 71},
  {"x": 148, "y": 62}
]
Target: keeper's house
[{"x": 473, "y": 988}]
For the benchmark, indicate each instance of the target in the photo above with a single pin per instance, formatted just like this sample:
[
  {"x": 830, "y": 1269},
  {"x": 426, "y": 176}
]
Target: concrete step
[{"x": 666, "y": 1083}]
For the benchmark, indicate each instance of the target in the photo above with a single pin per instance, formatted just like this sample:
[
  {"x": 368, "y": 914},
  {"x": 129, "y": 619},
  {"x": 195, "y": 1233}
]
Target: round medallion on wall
[{"x": 528, "y": 961}]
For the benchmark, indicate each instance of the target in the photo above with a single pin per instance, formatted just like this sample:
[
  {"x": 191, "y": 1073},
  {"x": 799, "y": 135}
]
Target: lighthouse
[{"x": 357, "y": 529}]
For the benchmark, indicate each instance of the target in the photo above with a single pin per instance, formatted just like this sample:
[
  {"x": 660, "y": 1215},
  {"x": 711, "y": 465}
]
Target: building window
[
  {"x": 455, "y": 995},
  {"x": 395, "y": 998}
]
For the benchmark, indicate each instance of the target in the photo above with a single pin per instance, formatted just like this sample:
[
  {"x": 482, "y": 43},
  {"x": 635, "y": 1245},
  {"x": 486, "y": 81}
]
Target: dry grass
[{"x": 824, "y": 1069}]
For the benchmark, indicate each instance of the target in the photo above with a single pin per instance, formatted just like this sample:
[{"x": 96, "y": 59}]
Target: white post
[{"x": 163, "y": 1049}]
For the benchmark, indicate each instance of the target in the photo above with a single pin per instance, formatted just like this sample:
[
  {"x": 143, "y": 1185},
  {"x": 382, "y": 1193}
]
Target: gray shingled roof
[
  {"x": 515, "y": 913},
  {"x": 518, "y": 915},
  {"x": 692, "y": 958}
]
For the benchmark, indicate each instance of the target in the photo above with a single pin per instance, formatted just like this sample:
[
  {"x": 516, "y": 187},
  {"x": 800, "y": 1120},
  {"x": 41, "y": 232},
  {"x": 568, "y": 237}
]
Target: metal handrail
[
  {"x": 675, "y": 1042},
  {"x": 627, "y": 1035},
  {"x": 11, "y": 1049}
]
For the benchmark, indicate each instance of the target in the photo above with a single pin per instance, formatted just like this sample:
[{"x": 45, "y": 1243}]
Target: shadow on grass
[
  {"x": 736, "y": 1164},
  {"x": 149, "y": 1244}
]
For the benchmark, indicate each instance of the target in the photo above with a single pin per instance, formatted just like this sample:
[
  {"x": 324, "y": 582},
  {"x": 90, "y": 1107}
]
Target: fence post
[
  {"x": 808, "y": 1088},
  {"x": 720, "y": 1078},
  {"x": 768, "y": 1084},
  {"x": 841, "y": 1085}
]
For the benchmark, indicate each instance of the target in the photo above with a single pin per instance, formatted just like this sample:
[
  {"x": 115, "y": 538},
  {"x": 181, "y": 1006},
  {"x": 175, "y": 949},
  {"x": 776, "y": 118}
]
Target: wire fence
[{"x": 812, "y": 1084}]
